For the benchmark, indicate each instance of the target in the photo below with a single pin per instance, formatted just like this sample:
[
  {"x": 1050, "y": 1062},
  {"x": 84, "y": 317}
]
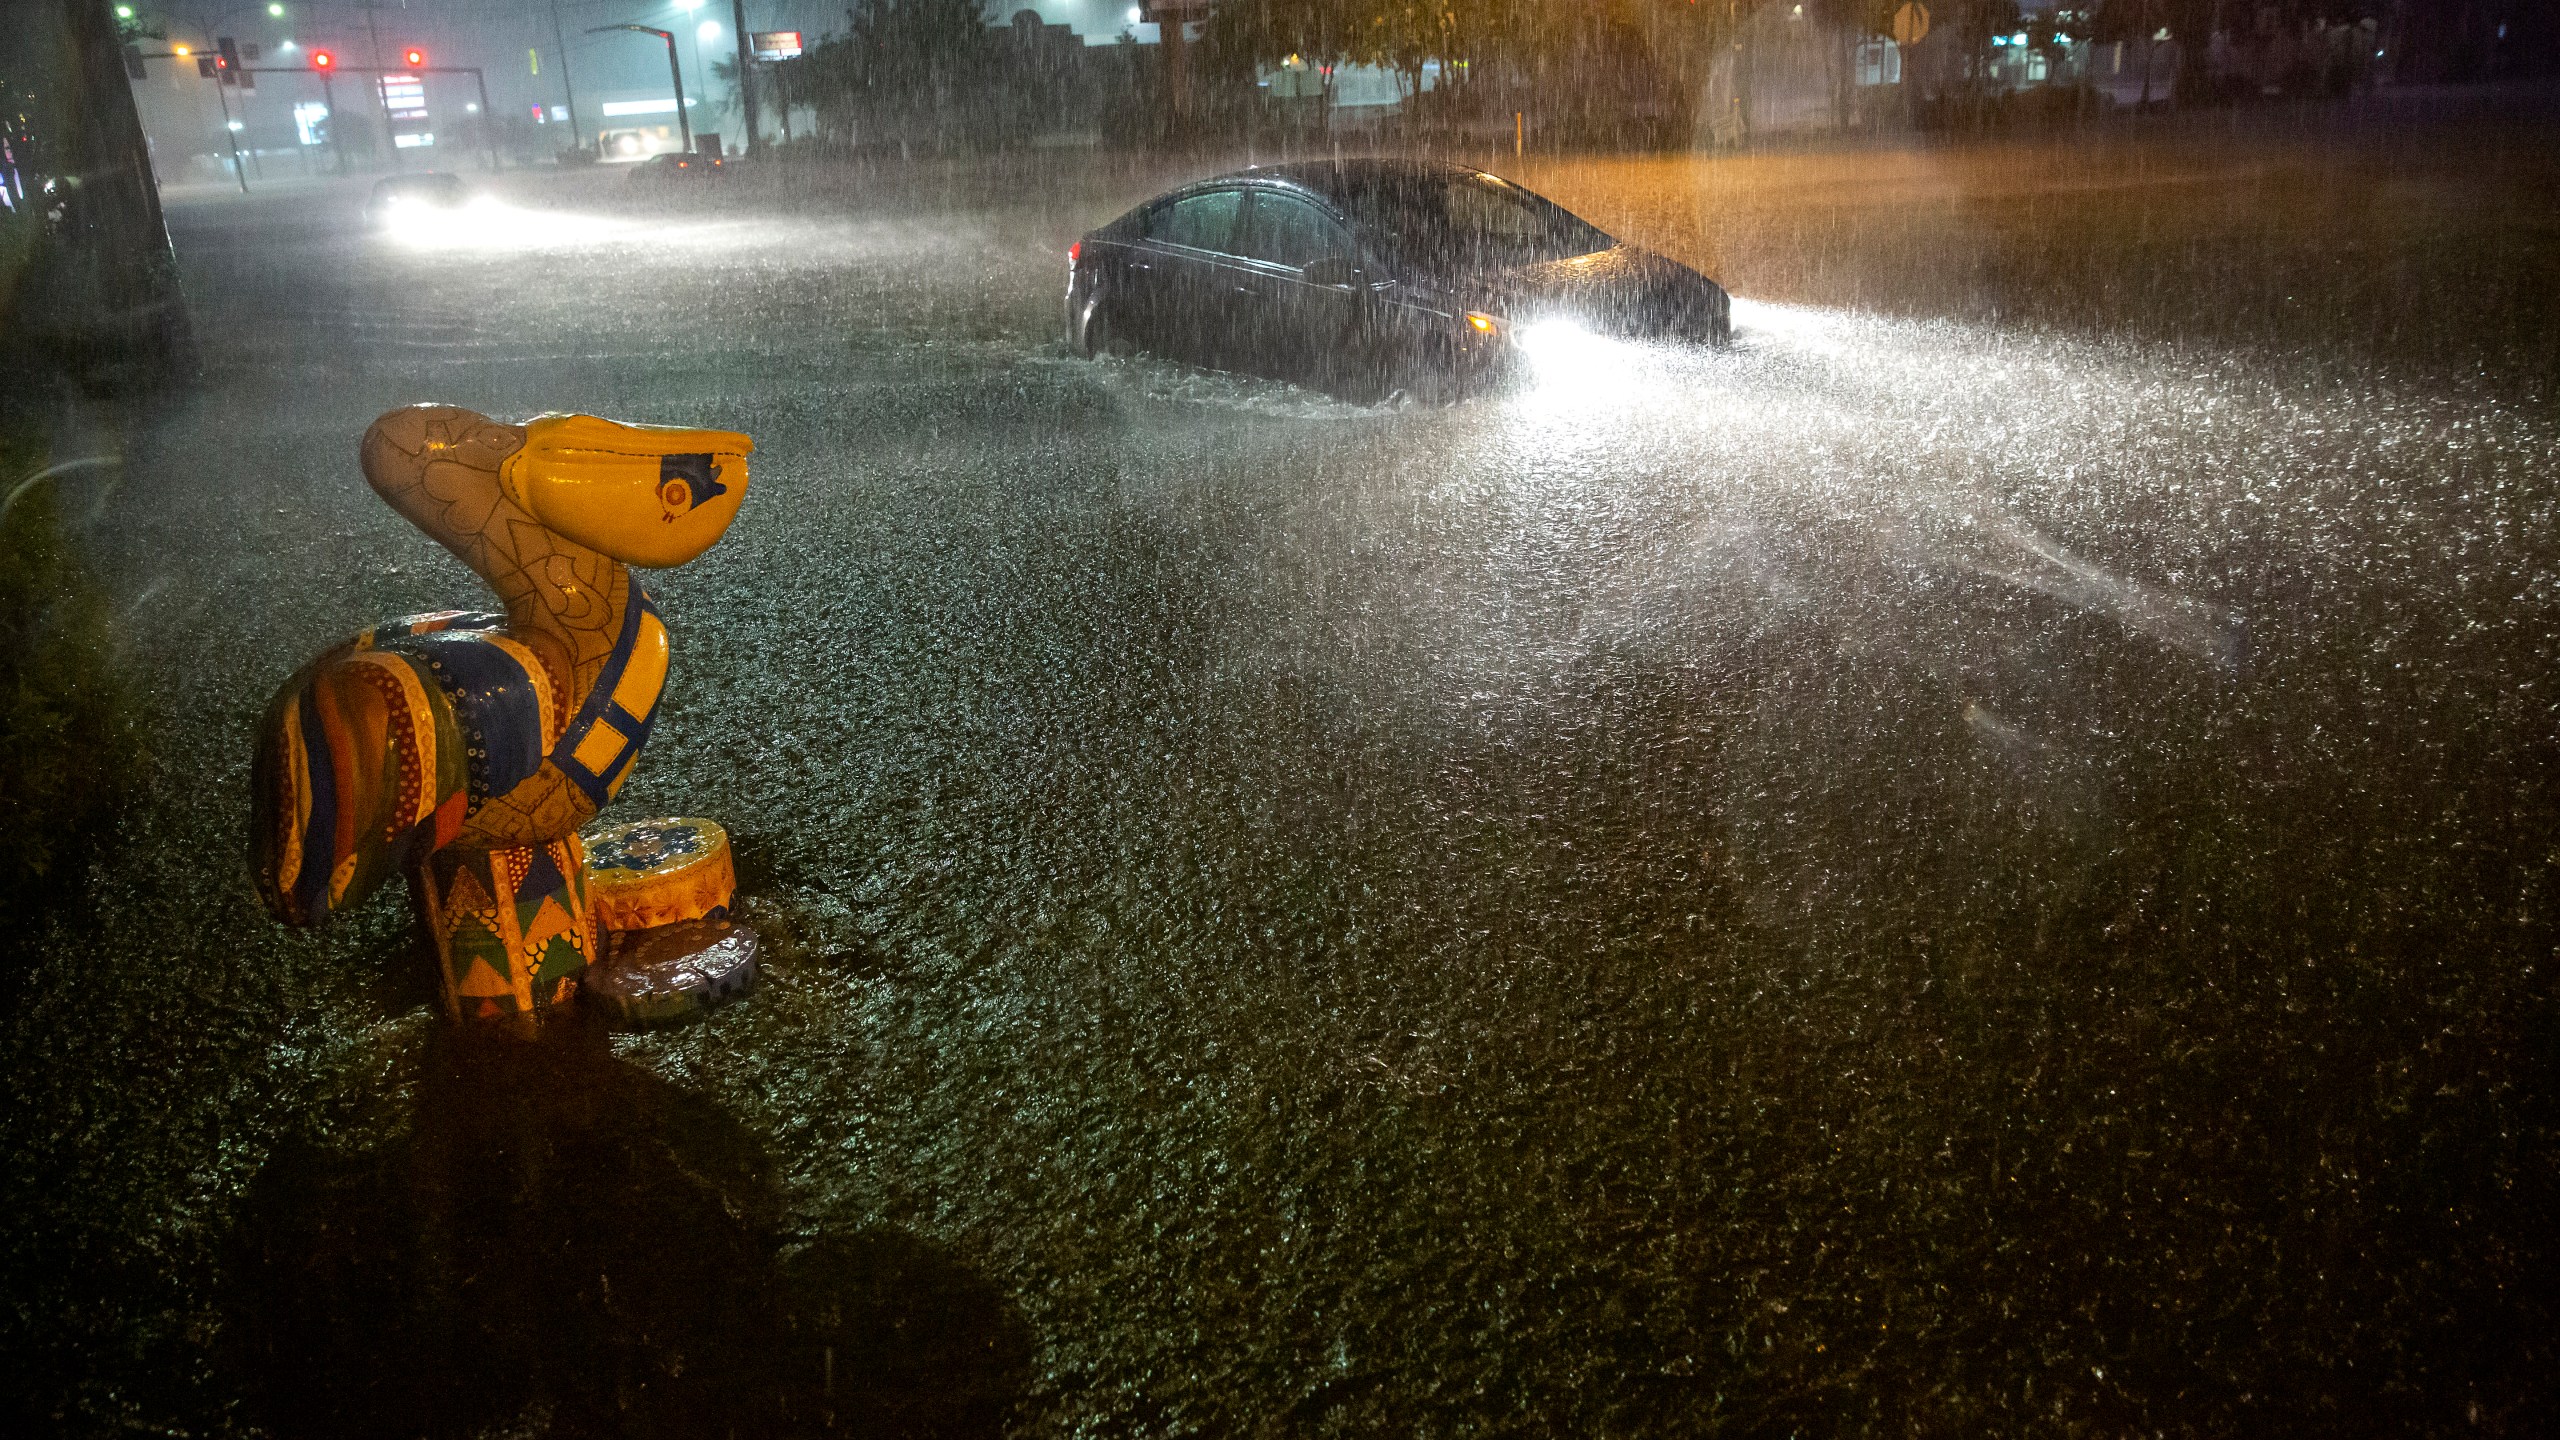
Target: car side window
[
  {"x": 1203, "y": 222},
  {"x": 1291, "y": 232}
]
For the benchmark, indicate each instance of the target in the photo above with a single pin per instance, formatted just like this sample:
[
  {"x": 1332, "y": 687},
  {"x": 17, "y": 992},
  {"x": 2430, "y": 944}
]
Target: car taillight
[{"x": 1075, "y": 252}]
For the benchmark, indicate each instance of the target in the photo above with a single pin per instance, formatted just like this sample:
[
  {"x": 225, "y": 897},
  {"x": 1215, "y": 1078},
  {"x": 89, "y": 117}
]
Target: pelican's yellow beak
[{"x": 647, "y": 495}]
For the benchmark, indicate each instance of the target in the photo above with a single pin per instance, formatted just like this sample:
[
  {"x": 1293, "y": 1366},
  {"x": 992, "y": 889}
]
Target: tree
[
  {"x": 1534, "y": 41},
  {"x": 767, "y": 79},
  {"x": 907, "y": 70}
]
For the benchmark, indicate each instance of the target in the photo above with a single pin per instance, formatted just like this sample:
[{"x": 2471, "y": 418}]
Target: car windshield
[{"x": 1468, "y": 220}]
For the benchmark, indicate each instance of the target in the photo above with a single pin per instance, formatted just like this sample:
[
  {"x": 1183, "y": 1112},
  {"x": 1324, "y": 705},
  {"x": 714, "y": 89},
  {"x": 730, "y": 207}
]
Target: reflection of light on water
[
  {"x": 1568, "y": 366},
  {"x": 1799, "y": 328},
  {"x": 487, "y": 224},
  {"x": 1561, "y": 345}
]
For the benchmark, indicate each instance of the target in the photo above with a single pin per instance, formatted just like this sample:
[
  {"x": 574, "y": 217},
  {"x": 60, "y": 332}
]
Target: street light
[{"x": 674, "y": 68}]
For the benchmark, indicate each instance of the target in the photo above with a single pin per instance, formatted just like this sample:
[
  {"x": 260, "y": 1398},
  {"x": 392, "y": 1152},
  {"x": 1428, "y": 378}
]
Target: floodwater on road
[{"x": 1980, "y": 861}]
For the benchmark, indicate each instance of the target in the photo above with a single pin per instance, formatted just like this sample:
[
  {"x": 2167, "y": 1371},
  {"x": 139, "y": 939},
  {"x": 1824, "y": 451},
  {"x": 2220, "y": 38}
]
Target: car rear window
[{"x": 1203, "y": 222}]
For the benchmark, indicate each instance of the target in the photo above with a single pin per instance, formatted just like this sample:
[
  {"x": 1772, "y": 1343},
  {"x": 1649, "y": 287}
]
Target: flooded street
[{"x": 1980, "y": 862}]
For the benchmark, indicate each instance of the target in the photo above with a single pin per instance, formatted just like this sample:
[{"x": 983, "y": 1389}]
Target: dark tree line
[
  {"x": 909, "y": 73},
  {"x": 937, "y": 75},
  {"x": 1477, "y": 41}
]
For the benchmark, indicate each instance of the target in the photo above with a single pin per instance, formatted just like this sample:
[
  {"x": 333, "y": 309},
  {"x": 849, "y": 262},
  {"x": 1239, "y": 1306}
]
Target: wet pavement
[{"x": 1982, "y": 861}]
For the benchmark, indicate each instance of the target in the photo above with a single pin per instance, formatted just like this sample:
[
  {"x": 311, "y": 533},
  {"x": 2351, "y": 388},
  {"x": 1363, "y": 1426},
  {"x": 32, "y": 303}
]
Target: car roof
[
  {"x": 1333, "y": 181},
  {"x": 1337, "y": 179}
]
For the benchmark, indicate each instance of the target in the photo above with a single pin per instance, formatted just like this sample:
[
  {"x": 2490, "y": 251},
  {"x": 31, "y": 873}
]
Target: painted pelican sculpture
[{"x": 468, "y": 747}]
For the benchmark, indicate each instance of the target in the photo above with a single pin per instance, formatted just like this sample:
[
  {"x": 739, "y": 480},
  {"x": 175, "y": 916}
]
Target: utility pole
[
  {"x": 337, "y": 132},
  {"x": 488, "y": 121},
  {"x": 576, "y": 140},
  {"x": 381, "y": 98},
  {"x": 746, "y": 71}
]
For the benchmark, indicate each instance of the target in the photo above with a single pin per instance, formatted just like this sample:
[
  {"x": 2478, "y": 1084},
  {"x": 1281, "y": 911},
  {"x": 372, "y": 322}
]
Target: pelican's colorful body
[{"x": 468, "y": 747}]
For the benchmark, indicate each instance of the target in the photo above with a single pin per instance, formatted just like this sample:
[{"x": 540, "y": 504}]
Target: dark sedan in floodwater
[{"x": 1368, "y": 276}]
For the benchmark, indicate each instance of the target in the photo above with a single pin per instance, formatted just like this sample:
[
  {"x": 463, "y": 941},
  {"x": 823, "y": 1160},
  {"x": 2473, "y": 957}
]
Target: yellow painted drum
[{"x": 658, "y": 872}]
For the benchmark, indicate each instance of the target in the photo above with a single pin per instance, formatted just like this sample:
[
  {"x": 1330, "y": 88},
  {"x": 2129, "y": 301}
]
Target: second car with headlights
[
  {"x": 430, "y": 193},
  {"x": 1365, "y": 277}
]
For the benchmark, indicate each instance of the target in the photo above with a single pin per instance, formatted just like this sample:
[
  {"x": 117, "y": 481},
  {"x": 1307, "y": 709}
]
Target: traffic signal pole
[
  {"x": 239, "y": 171},
  {"x": 683, "y": 123}
]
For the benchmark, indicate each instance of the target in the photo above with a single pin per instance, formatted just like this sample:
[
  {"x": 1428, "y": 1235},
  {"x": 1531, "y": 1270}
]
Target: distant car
[
  {"x": 1368, "y": 276},
  {"x": 431, "y": 191},
  {"x": 680, "y": 167}
]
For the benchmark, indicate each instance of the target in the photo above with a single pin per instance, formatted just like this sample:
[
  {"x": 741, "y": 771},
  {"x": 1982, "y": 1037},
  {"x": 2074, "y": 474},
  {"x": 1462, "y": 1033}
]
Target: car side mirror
[{"x": 1336, "y": 270}]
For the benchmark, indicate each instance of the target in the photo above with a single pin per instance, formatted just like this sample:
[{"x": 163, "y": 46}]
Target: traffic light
[
  {"x": 414, "y": 58},
  {"x": 322, "y": 60},
  {"x": 229, "y": 64}
]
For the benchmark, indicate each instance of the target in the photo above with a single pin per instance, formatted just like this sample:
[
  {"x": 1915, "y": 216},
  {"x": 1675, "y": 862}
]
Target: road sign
[
  {"x": 775, "y": 44},
  {"x": 1911, "y": 23}
]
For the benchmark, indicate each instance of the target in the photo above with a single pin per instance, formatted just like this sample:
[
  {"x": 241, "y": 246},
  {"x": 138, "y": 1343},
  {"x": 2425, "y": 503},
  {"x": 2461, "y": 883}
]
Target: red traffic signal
[
  {"x": 323, "y": 60},
  {"x": 413, "y": 57}
]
